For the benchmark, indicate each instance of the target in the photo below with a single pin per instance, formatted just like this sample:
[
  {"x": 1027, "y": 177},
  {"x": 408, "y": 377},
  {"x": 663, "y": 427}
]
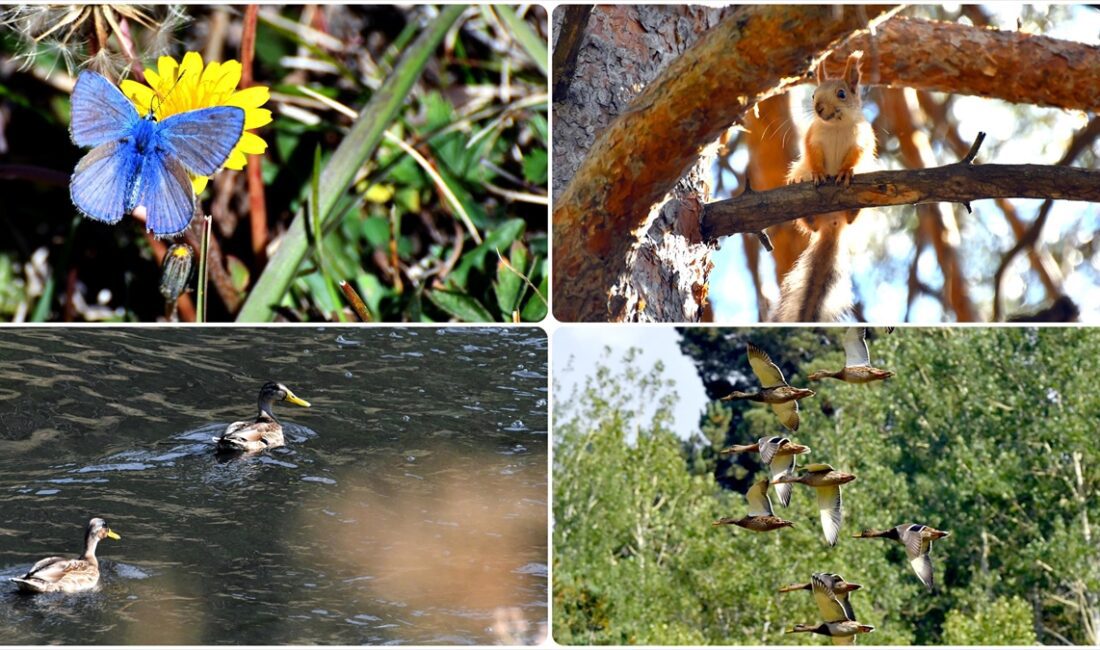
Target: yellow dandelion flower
[{"x": 188, "y": 85}]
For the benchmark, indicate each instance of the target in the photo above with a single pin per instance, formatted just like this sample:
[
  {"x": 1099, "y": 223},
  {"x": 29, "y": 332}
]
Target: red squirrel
[{"x": 838, "y": 143}]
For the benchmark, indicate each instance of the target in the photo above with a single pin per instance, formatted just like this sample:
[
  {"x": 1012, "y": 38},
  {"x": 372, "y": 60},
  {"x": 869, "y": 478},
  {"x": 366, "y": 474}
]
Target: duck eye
[{"x": 841, "y": 94}]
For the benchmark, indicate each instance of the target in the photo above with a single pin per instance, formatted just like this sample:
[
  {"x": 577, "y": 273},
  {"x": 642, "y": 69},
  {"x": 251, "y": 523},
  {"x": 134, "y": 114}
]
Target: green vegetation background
[{"x": 991, "y": 434}]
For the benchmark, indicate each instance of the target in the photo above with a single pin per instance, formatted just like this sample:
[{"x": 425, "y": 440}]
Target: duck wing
[
  {"x": 53, "y": 569},
  {"x": 829, "y": 506},
  {"x": 917, "y": 547},
  {"x": 855, "y": 347},
  {"x": 759, "y": 503},
  {"x": 780, "y": 466},
  {"x": 830, "y": 605},
  {"x": 788, "y": 414},
  {"x": 764, "y": 368}
]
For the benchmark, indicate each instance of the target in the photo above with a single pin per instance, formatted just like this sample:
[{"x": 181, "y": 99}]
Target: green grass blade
[
  {"x": 357, "y": 147},
  {"x": 526, "y": 37}
]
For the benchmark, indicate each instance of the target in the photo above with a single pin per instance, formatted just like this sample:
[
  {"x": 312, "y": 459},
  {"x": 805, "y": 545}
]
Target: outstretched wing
[
  {"x": 788, "y": 414},
  {"x": 780, "y": 466},
  {"x": 828, "y": 602},
  {"x": 100, "y": 112},
  {"x": 829, "y": 507},
  {"x": 202, "y": 139},
  {"x": 855, "y": 347},
  {"x": 764, "y": 368},
  {"x": 165, "y": 195},
  {"x": 759, "y": 503},
  {"x": 917, "y": 547},
  {"x": 100, "y": 182}
]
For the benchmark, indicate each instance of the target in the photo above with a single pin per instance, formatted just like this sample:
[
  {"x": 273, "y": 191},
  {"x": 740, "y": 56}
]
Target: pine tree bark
[{"x": 623, "y": 49}]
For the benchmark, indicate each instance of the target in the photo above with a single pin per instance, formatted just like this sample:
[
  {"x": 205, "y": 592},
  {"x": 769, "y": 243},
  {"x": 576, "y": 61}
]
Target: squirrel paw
[
  {"x": 845, "y": 177},
  {"x": 819, "y": 179}
]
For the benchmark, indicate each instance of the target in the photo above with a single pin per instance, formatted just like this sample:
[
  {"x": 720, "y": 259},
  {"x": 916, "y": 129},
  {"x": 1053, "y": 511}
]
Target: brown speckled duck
[
  {"x": 843, "y": 632},
  {"x": 65, "y": 574},
  {"x": 760, "y": 517},
  {"x": 857, "y": 364},
  {"x": 778, "y": 454},
  {"x": 826, "y": 481},
  {"x": 917, "y": 539},
  {"x": 265, "y": 432},
  {"x": 831, "y": 594},
  {"x": 774, "y": 389}
]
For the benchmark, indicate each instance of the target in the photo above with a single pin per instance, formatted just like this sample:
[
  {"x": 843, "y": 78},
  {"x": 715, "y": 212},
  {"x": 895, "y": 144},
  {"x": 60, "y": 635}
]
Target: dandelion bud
[{"x": 178, "y": 263}]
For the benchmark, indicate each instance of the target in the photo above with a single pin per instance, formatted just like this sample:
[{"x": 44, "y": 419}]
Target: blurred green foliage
[
  {"x": 478, "y": 115},
  {"x": 987, "y": 433}
]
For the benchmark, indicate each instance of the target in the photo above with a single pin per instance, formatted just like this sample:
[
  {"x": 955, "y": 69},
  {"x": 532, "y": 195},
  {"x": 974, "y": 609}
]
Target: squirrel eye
[{"x": 840, "y": 93}]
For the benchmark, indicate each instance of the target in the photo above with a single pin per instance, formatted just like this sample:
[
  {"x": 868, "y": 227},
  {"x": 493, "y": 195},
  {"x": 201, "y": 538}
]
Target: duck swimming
[
  {"x": 265, "y": 432},
  {"x": 68, "y": 575},
  {"x": 774, "y": 389}
]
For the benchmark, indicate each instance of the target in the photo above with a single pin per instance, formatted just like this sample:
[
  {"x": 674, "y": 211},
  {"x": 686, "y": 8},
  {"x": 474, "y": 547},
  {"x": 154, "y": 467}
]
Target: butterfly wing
[
  {"x": 165, "y": 195},
  {"x": 202, "y": 139},
  {"x": 100, "y": 183},
  {"x": 100, "y": 112}
]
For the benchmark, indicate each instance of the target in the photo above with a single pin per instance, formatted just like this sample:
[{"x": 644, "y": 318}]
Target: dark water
[{"x": 409, "y": 505}]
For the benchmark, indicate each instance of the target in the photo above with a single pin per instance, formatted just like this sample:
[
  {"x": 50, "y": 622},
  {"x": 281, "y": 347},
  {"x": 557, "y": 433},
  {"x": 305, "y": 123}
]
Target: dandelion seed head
[{"x": 104, "y": 38}]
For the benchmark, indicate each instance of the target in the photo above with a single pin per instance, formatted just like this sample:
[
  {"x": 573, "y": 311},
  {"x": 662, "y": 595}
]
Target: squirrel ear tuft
[
  {"x": 819, "y": 72},
  {"x": 852, "y": 68}
]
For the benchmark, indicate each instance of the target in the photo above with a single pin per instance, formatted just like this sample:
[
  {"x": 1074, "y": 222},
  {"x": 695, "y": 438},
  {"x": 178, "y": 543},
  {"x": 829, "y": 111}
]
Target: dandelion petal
[
  {"x": 252, "y": 143},
  {"x": 249, "y": 98},
  {"x": 254, "y": 118}
]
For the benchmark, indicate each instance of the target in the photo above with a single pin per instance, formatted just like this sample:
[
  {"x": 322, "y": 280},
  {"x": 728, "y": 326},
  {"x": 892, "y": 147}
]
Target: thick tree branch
[
  {"x": 754, "y": 54},
  {"x": 960, "y": 182},
  {"x": 960, "y": 59}
]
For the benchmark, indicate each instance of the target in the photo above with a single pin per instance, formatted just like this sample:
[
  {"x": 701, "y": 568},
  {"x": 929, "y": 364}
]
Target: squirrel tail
[{"x": 818, "y": 288}]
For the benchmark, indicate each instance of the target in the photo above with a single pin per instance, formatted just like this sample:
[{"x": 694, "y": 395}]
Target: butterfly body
[{"x": 140, "y": 165}]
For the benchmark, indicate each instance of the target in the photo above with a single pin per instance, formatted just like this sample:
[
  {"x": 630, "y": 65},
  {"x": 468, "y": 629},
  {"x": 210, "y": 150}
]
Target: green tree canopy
[{"x": 988, "y": 433}]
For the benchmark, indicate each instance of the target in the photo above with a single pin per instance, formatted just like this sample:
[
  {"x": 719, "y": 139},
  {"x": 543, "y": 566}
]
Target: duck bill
[
  {"x": 294, "y": 399},
  {"x": 937, "y": 534},
  {"x": 112, "y": 534},
  {"x": 851, "y": 586}
]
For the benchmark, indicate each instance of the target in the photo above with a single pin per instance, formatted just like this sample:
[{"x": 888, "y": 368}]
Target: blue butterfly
[{"x": 141, "y": 166}]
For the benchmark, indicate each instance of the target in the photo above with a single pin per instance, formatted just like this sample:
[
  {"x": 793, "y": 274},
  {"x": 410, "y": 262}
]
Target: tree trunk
[{"x": 622, "y": 50}]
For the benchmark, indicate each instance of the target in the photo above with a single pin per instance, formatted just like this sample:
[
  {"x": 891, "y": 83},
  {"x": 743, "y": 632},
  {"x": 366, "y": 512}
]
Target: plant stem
[{"x": 200, "y": 310}]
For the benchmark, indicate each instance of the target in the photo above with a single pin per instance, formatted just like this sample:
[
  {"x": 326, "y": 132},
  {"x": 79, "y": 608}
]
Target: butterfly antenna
[{"x": 157, "y": 97}]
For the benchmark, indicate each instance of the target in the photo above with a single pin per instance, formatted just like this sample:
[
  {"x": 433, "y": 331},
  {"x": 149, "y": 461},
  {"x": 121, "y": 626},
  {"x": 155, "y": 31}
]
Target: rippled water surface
[{"x": 409, "y": 505}]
